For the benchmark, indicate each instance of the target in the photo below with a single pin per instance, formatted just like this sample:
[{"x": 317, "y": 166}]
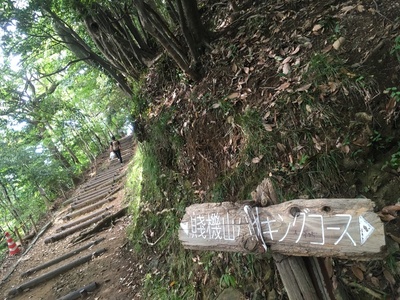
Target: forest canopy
[{"x": 69, "y": 72}]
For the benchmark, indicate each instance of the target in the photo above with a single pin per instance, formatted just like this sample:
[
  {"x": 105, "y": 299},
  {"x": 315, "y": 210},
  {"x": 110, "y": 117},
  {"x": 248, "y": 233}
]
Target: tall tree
[
  {"x": 192, "y": 29},
  {"x": 77, "y": 45}
]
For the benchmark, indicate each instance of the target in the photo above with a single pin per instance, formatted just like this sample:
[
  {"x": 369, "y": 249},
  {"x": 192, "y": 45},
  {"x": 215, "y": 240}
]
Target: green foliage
[
  {"x": 393, "y": 92},
  {"x": 55, "y": 127},
  {"x": 396, "y": 48},
  {"x": 323, "y": 68},
  {"x": 394, "y": 161},
  {"x": 391, "y": 260},
  {"x": 3, "y": 251},
  {"x": 230, "y": 185},
  {"x": 156, "y": 288},
  {"x": 227, "y": 280},
  {"x": 223, "y": 106},
  {"x": 156, "y": 221},
  {"x": 300, "y": 163},
  {"x": 133, "y": 186},
  {"x": 259, "y": 141},
  {"x": 138, "y": 104},
  {"x": 330, "y": 23}
]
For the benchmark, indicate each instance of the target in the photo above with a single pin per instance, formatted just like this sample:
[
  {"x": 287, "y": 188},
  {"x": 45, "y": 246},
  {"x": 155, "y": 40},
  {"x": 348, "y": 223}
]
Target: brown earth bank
[{"x": 317, "y": 75}]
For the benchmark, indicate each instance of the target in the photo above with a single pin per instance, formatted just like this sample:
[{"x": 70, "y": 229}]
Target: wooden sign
[{"x": 344, "y": 228}]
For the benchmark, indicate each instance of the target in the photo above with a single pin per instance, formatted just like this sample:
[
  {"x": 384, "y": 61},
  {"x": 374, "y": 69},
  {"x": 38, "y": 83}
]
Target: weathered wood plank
[
  {"x": 345, "y": 228},
  {"x": 61, "y": 258},
  {"x": 34, "y": 282},
  {"x": 82, "y": 292},
  {"x": 316, "y": 269},
  {"x": 81, "y": 226}
]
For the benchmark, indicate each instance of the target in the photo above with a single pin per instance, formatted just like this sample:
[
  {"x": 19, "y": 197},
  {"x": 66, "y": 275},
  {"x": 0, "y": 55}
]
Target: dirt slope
[
  {"x": 110, "y": 270},
  {"x": 298, "y": 89}
]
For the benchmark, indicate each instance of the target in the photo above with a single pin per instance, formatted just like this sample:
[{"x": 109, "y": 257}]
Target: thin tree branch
[{"x": 64, "y": 68}]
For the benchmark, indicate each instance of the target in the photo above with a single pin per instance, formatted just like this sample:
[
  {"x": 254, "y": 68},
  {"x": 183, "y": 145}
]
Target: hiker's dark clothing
[{"x": 115, "y": 146}]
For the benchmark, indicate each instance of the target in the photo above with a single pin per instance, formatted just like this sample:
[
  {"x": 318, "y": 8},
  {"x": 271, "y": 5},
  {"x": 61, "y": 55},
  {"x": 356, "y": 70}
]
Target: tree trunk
[
  {"x": 173, "y": 14},
  {"x": 8, "y": 203},
  {"x": 93, "y": 134},
  {"x": 156, "y": 26},
  {"x": 65, "y": 146},
  {"x": 193, "y": 21},
  {"x": 186, "y": 32},
  {"x": 110, "y": 34},
  {"x": 86, "y": 147},
  {"x": 78, "y": 46},
  {"x": 51, "y": 146},
  {"x": 143, "y": 44}
]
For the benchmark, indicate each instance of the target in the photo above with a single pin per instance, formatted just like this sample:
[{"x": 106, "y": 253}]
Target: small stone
[{"x": 231, "y": 294}]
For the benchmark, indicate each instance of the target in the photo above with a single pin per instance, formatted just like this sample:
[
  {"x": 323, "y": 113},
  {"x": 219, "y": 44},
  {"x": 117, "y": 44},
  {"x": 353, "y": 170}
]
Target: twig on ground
[{"x": 152, "y": 244}]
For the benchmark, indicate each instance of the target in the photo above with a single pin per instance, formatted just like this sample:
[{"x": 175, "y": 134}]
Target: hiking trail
[{"x": 82, "y": 250}]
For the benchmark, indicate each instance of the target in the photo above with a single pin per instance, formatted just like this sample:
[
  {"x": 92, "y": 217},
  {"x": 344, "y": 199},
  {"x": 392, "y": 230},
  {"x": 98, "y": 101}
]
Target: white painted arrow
[
  {"x": 366, "y": 229},
  {"x": 185, "y": 227}
]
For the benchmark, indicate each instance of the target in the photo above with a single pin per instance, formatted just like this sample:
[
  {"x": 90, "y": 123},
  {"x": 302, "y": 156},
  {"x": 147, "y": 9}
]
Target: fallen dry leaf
[
  {"x": 287, "y": 60},
  {"x": 375, "y": 281},
  {"x": 391, "y": 209},
  {"x": 346, "y": 9},
  {"x": 233, "y": 95},
  {"x": 317, "y": 142},
  {"x": 345, "y": 149},
  {"x": 360, "y": 8},
  {"x": 362, "y": 266},
  {"x": 281, "y": 147},
  {"x": 357, "y": 272},
  {"x": 295, "y": 51},
  {"x": 390, "y": 105},
  {"x": 333, "y": 86},
  {"x": 284, "y": 86},
  {"x": 338, "y": 43},
  {"x": 234, "y": 68},
  {"x": 327, "y": 49},
  {"x": 386, "y": 217},
  {"x": 286, "y": 68},
  {"x": 304, "y": 88},
  {"x": 268, "y": 127},
  {"x": 394, "y": 238},
  {"x": 389, "y": 277},
  {"x": 256, "y": 160},
  {"x": 316, "y": 27},
  {"x": 298, "y": 148}
]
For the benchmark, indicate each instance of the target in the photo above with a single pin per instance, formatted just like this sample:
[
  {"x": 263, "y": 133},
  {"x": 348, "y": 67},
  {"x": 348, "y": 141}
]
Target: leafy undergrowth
[{"x": 305, "y": 94}]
